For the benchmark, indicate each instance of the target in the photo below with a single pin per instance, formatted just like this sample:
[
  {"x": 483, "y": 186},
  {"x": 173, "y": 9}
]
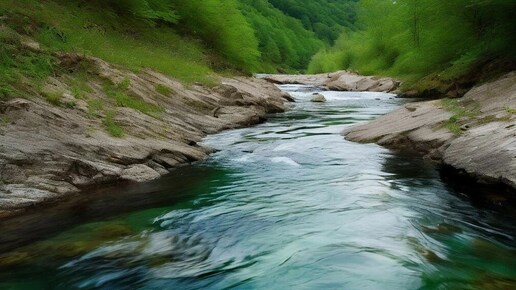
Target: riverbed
[{"x": 288, "y": 204}]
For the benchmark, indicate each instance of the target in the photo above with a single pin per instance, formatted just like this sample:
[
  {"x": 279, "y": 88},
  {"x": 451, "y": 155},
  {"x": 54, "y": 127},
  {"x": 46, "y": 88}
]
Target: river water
[{"x": 288, "y": 204}]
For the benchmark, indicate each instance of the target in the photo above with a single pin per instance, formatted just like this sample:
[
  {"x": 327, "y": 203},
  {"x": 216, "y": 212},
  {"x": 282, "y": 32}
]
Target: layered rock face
[
  {"x": 49, "y": 151},
  {"x": 339, "y": 81},
  {"x": 475, "y": 134}
]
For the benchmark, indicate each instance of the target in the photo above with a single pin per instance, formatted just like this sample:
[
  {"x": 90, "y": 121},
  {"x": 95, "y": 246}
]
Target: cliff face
[
  {"x": 475, "y": 134},
  {"x": 124, "y": 126}
]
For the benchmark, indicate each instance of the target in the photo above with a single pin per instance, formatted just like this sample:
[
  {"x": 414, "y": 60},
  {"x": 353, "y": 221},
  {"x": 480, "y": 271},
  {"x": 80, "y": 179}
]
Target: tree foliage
[
  {"x": 254, "y": 35},
  {"x": 223, "y": 27},
  {"x": 283, "y": 41},
  {"x": 153, "y": 10},
  {"x": 218, "y": 23},
  {"x": 327, "y": 18},
  {"x": 413, "y": 38}
]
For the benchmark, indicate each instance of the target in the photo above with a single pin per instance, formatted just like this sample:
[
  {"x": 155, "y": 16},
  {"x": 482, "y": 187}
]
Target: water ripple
[{"x": 291, "y": 205}]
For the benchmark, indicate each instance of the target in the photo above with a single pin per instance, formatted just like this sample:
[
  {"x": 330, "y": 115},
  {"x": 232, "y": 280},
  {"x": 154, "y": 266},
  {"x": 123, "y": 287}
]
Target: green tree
[
  {"x": 415, "y": 38},
  {"x": 221, "y": 25},
  {"x": 283, "y": 41},
  {"x": 154, "y": 10}
]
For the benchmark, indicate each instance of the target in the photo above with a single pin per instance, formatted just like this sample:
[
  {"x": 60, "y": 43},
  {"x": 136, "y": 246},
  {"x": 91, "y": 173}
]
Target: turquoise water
[{"x": 288, "y": 204}]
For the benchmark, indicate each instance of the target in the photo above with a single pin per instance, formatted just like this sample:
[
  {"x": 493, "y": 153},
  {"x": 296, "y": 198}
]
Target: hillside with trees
[
  {"x": 283, "y": 41},
  {"x": 326, "y": 18},
  {"x": 433, "y": 43}
]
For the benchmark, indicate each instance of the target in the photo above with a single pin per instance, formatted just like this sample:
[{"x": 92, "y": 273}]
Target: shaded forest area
[
  {"x": 187, "y": 39},
  {"x": 326, "y": 18}
]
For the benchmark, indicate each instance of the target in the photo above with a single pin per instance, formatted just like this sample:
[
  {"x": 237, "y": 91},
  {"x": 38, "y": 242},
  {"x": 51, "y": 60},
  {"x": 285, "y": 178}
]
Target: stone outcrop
[
  {"x": 339, "y": 81},
  {"x": 50, "y": 151},
  {"x": 318, "y": 98},
  {"x": 475, "y": 134}
]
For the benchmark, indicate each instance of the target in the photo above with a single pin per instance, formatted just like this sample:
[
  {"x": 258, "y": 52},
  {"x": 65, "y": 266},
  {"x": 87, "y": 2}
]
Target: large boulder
[{"x": 318, "y": 98}]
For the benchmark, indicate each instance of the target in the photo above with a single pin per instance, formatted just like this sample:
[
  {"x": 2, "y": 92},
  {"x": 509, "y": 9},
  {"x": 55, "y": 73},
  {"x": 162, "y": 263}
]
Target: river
[{"x": 288, "y": 204}]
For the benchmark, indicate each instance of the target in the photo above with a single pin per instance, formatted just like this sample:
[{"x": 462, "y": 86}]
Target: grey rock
[
  {"x": 31, "y": 44},
  {"x": 48, "y": 152},
  {"x": 486, "y": 147},
  {"x": 14, "y": 105},
  {"x": 139, "y": 173},
  {"x": 317, "y": 98},
  {"x": 339, "y": 81},
  {"x": 288, "y": 97}
]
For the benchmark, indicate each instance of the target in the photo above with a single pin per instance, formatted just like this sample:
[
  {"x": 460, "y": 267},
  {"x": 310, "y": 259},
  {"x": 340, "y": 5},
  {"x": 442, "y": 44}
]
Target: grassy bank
[
  {"x": 43, "y": 45},
  {"x": 64, "y": 26}
]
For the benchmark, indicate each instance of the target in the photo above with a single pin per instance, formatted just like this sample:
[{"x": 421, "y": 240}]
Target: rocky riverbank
[
  {"x": 339, "y": 81},
  {"x": 475, "y": 135},
  {"x": 125, "y": 126}
]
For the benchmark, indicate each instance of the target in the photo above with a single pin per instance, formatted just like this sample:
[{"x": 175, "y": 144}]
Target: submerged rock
[
  {"x": 318, "y": 98},
  {"x": 13, "y": 259},
  {"x": 113, "y": 231},
  {"x": 443, "y": 228},
  {"x": 288, "y": 97}
]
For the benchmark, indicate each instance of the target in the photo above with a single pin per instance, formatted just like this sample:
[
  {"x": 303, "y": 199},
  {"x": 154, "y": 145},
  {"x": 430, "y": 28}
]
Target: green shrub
[
  {"x": 53, "y": 97},
  {"x": 459, "y": 112},
  {"x": 153, "y": 10},
  {"x": 70, "y": 104},
  {"x": 164, "y": 90},
  {"x": 4, "y": 120},
  {"x": 124, "y": 84},
  {"x": 95, "y": 106},
  {"x": 510, "y": 110},
  {"x": 19, "y": 67},
  {"x": 122, "y": 98},
  {"x": 111, "y": 126},
  {"x": 453, "y": 127}
]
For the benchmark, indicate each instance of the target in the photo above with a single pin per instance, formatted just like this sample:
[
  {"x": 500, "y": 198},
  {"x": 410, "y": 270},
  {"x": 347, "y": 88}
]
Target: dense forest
[
  {"x": 192, "y": 39},
  {"x": 412, "y": 39},
  {"x": 283, "y": 41},
  {"x": 326, "y": 18},
  {"x": 188, "y": 39}
]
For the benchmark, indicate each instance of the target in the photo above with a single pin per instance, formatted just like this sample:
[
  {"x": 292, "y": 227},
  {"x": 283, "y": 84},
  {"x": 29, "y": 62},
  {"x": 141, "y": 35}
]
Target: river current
[{"x": 288, "y": 204}]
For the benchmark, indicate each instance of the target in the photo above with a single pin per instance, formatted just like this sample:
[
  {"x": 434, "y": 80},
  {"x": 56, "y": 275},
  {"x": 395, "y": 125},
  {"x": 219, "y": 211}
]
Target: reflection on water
[
  {"x": 104, "y": 203},
  {"x": 285, "y": 205}
]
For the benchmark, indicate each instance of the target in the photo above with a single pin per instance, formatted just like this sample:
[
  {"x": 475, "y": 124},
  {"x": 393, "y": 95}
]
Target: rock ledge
[
  {"x": 483, "y": 141},
  {"x": 49, "y": 151}
]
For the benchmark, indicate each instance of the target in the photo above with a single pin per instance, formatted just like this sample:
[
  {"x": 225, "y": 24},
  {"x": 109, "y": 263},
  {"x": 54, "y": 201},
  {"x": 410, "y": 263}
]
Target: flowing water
[{"x": 288, "y": 204}]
